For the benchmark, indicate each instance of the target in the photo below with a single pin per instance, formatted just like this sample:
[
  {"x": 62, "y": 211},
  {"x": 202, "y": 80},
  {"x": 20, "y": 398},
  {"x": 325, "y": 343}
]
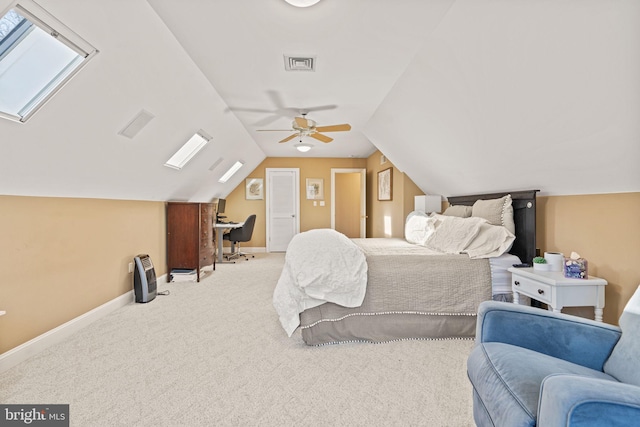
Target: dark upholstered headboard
[{"x": 524, "y": 216}]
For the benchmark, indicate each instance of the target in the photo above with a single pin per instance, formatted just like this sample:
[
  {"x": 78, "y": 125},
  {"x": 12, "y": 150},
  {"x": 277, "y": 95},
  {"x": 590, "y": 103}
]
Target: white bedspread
[
  {"x": 315, "y": 272},
  {"x": 453, "y": 235}
]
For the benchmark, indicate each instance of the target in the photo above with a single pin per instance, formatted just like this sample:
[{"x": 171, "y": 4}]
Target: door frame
[
  {"x": 267, "y": 202},
  {"x": 363, "y": 197}
]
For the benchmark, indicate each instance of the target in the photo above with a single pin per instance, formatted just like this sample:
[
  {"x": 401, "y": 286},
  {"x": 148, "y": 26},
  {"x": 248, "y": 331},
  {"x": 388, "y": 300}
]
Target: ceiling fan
[
  {"x": 281, "y": 109},
  {"x": 301, "y": 126}
]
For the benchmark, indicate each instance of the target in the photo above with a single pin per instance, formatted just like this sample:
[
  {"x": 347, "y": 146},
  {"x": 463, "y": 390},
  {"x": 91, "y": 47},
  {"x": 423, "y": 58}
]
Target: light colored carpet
[{"x": 213, "y": 354}]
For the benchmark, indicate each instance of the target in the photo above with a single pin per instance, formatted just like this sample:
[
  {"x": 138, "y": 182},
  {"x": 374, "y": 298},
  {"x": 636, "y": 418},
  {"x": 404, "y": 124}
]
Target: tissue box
[{"x": 576, "y": 268}]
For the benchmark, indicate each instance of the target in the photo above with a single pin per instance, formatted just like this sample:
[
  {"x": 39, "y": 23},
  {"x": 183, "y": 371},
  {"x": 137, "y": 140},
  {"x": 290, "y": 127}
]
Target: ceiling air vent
[
  {"x": 136, "y": 124},
  {"x": 299, "y": 63}
]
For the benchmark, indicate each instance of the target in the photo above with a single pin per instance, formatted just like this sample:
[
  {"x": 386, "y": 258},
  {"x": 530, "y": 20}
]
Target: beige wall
[
  {"x": 311, "y": 217},
  {"x": 604, "y": 229},
  {"x": 386, "y": 218},
  {"x": 64, "y": 257}
]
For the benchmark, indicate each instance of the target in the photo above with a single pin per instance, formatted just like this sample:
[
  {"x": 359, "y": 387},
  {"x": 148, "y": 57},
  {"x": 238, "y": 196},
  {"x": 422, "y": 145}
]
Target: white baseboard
[
  {"x": 255, "y": 250},
  {"x": 246, "y": 250},
  {"x": 32, "y": 347}
]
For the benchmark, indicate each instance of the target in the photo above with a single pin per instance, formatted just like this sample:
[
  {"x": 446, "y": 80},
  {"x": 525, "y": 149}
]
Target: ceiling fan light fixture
[
  {"x": 302, "y": 3},
  {"x": 303, "y": 147}
]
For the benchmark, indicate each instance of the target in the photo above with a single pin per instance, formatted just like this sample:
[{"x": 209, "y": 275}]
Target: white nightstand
[{"x": 555, "y": 290}]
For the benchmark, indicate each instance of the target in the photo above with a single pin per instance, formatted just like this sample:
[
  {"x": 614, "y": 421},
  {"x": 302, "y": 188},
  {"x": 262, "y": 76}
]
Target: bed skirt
[{"x": 385, "y": 327}]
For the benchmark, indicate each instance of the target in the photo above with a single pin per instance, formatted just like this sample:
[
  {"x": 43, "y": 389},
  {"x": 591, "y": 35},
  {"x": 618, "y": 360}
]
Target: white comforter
[
  {"x": 315, "y": 272},
  {"x": 452, "y": 235}
]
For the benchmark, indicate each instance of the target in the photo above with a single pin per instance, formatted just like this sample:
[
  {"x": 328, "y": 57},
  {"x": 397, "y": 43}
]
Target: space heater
[{"x": 144, "y": 279}]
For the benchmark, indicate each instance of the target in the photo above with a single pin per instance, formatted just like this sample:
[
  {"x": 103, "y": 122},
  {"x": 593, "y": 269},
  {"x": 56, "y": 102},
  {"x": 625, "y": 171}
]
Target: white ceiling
[
  {"x": 361, "y": 48},
  {"x": 462, "y": 95}
]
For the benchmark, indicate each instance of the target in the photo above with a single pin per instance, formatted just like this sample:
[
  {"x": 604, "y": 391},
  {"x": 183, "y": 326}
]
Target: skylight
[
  {"x": 232, "y": 170},
  {"x": 38, "y": 55},
  {"x": 188, "y": 150}
]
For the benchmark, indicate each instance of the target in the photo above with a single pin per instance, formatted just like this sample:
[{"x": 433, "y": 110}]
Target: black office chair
[{"x": 240, "y": 234}]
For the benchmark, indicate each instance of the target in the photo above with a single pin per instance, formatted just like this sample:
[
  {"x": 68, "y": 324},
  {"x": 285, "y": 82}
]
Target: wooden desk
[{"x": 219, "y": 228}]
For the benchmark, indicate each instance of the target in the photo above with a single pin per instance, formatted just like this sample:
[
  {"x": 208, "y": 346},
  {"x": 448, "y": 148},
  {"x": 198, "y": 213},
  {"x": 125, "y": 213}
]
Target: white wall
[
  {"x": 71, "y": 146},
  {"x": 520, "y": 94}
]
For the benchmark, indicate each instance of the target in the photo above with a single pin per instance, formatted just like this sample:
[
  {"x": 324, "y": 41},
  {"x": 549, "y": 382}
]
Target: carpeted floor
[{"x": 213, "y": 354}]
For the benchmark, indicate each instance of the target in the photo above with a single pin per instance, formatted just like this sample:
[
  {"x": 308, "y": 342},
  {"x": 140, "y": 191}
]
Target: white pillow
[
  {"x": 461, "y": 211},
  {"x": 491, "y": 241},
  {"x": 453, "y": 234},
  {"x": 496, "y": 211},
  {"x": 418, "y": 227}
]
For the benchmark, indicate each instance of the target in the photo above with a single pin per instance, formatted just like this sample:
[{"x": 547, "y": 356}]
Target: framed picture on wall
[
  {"x": 315, "y": 189},
  {"x": 254, "y": 189},
  {"x": 385, "y": 184}
]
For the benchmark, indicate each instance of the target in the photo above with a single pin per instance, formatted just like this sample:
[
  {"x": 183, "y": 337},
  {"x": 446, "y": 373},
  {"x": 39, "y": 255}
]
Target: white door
[
  {"x": 357, "y": 209},
  {"x": 283, "y": 207}
]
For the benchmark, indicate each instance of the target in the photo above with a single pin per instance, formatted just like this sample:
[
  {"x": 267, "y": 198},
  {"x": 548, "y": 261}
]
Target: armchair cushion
[
  {"x": 508, "y": 379},
  {"x": 575, "y": 400},
  {"x": 628, "y": 348}
]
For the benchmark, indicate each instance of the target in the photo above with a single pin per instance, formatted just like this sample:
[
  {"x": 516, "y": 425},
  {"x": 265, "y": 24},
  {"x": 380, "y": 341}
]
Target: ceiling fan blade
[
  {"x": 321, "y": 137},
  {"x": 319, "y": 108},
  {"x": 334, "y": 128},
  {"x": 276, "y": 99},
  {"x": 267, "y": 120},
  {"x": 247, "y": 110},
  {"x": 289, "y": 138},
  {"x": 302, "y": 122}
]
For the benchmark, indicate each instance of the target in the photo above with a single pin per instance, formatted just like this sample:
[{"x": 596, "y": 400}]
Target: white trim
[
  {"x": 47, "y": 22},
  {"x": 269, "y": 173},
  {"x": 34, "y": 346},
  {"x": 255, "y": 250}
]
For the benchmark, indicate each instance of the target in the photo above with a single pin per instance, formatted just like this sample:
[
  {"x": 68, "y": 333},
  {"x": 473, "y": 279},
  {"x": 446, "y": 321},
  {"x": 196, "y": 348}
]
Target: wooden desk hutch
[{"x": 189, "y": 237}]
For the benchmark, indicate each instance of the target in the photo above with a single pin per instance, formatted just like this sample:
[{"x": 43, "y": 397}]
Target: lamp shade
[
  {"x": 302, "y": 3},
  {"x": 428, "y": 203},
  {"x": 302, "y": 147}
]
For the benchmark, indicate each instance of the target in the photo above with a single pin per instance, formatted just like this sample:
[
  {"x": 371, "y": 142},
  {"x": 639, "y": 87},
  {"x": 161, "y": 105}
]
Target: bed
[{"x": 334, "y": 289}]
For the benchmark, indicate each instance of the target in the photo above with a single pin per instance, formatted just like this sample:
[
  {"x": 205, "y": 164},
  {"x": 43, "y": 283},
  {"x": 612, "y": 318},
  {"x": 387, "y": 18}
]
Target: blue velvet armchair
[{"x": 532, "y": 367}]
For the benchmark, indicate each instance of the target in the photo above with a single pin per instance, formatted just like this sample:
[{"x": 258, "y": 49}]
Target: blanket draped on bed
[{"x": 320, "y": 265}]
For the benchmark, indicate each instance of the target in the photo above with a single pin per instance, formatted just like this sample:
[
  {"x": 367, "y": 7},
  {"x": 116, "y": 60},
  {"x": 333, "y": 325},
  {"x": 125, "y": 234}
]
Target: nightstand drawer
[{"x": 532, "y": 288}]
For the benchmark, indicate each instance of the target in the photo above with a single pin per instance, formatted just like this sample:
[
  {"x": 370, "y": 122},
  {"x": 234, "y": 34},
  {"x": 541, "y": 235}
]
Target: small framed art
[
  {"x": 254, "y": 189},
  {"x": 315, "y": 189},
  {"x": 385, "y": 184}
]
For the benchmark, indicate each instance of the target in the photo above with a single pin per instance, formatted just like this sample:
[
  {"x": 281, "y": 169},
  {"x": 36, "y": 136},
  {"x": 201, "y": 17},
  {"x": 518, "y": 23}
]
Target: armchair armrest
[
  {"x": 567, "y": 400},
  {"x": 577, "y": 340}
]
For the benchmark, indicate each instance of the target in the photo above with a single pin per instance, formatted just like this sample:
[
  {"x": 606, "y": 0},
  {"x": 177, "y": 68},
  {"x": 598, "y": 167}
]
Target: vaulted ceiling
[{"x": 462, "y": 95}]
